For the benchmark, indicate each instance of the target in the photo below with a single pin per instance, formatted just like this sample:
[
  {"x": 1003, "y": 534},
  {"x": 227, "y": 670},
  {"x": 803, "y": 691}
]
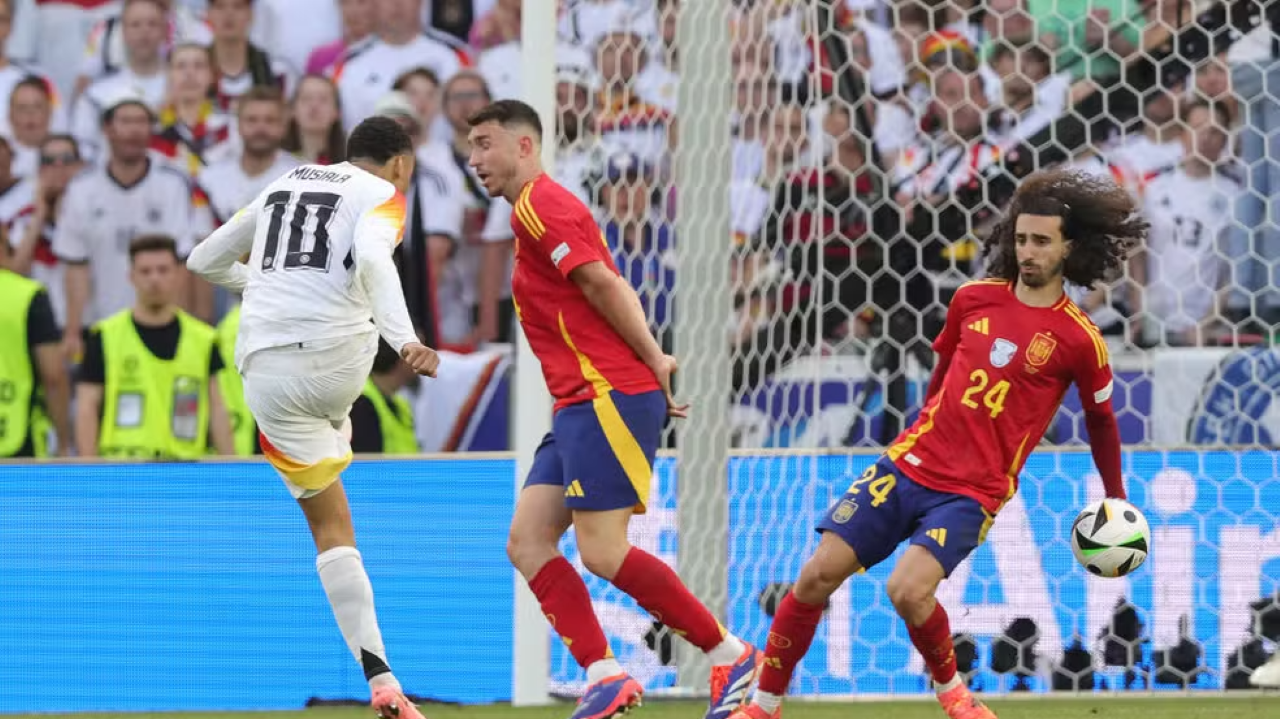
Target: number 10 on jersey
[{"x": 296, "y": 255}]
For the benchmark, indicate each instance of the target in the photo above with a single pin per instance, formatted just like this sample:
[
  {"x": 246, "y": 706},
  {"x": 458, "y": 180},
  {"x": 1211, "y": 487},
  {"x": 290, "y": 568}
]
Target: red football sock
[
  {"x": 659, "y": 590},
  {"x": 933, "y": 641},
  {"x": 567, "y": 605},
  {"x": 790, "y": 635}
]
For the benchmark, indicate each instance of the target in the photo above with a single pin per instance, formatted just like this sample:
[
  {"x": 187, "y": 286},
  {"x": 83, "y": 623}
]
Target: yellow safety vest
[
  {"x": 19, "y": 395},
  {"x": 395, "y": 421},
  {"x": 154, "y": 408},
  {"x": 243, "y": 428}
]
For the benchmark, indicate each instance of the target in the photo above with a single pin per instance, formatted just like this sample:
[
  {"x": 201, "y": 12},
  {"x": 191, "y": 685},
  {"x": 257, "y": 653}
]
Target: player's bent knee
[
  {"x": 819, "y": 580},
  {"x": 603, "y": 559},
  {"x": 529, "y": 549},
  {"x": 909, "y": 596}
]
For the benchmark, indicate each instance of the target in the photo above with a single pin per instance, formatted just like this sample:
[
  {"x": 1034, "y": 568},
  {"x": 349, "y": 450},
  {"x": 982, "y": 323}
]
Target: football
[{"x": 1110, "y": 538}]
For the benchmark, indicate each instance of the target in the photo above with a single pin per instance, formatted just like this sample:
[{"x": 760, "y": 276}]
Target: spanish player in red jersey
[
  {"x": 612, "y": 386},
  {"x": 1011, "y": 347}
]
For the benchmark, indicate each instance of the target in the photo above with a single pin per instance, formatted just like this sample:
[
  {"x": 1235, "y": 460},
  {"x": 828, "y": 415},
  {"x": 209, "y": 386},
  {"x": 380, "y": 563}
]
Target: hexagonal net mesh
[{"x": 872, "y": 146}]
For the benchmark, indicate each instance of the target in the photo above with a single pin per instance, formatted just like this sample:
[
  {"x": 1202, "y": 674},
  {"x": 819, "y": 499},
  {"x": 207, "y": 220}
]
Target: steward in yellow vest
[
  {"x": 382, "y": 421},
  {"x": 146, "y": 388},
  {"x": 35, "y": 391},
  {"x": 243, "y": 428}
]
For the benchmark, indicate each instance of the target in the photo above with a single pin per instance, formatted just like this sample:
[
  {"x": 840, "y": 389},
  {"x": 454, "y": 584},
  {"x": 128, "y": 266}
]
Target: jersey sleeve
[
  {"x": 93, "y": 368},
  {"x": 949, "y": 338},
  {"x": 378, "y": 231},
  {"x": 42, "y": 328},
  {"x": 72, "y": 233},
  {"x": 567, "y": 233},
  {"x": 1093, "y": 370},
  {"x": 217, "y": 259}
]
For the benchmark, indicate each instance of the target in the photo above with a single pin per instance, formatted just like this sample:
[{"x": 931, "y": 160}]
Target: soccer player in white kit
[{"x": 319, "y": 269}]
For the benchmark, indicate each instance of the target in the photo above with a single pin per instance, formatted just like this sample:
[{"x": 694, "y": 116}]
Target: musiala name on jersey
[{"x": 318, "y": 175}]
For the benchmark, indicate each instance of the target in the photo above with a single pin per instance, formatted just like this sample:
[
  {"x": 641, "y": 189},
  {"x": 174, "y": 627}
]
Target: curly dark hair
[{"x": 1098, "y": 216}]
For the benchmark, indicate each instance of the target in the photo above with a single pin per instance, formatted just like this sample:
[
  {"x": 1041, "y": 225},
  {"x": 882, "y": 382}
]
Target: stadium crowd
[{"x": 872, "y": 144}]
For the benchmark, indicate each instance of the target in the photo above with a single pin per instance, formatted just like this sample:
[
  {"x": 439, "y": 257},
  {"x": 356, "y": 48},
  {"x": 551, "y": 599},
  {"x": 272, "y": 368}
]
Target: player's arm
[
  {"x": 89, "y": 390},
  {"x": 51, "y": 367},
  {"x": 618, "y": 303},
  {"x": 217, "y": 259},
  {"x": 1095, "y": 383},
  {"x": 944, "y": 345},
  {"x": 378, "y": 231},
  {"x": 71, "y": 245},
  {"x": 219, "y": 420}
]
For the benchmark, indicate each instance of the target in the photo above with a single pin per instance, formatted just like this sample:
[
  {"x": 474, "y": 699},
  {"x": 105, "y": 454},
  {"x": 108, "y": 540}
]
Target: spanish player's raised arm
[
  {"x": 378, "y": 231},
  {"x": 217, "y": 259},
  {"x": 1095, "y": 383}
]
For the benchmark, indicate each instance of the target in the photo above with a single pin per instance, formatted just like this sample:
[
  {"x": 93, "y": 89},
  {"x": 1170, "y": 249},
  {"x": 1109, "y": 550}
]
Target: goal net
[{"x": 809, "y": 222}]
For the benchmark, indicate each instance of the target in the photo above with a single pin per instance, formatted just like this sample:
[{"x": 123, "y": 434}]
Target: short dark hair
[
  {"x": 262, "y": 93},
  {"x": 423, "y": 72},
  {"x": 508, "y": 113},
  {"x": 62, "y": 137},
  {"x": 1099, "y": 217},
  {"x": 152, "y": 243},
  {"x": 35, "y": 82},
  {"x": 378, "y": 140}
]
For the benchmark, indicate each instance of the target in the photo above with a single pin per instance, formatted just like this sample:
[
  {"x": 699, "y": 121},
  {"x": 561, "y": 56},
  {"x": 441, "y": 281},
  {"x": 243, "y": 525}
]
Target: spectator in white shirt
[
  {"x": 33, "y": 230},
  {"x": 143, "y": 29},
  {"x": 314, "y": 133},
  {"x": 239, "y": 64},
  {"x": 423, "y": 89},
  {"x": 31, "y": 121},
  {"x": 16, "y": 193},
  {"x": 106, "y": 51},
  {"x": 234, "y": 182},
  {"x": 369, "y": 69},
  {"x": 12, "y": 72},
  {"x": 192, "y": 130},
  {"x": 129, "y": 194}
]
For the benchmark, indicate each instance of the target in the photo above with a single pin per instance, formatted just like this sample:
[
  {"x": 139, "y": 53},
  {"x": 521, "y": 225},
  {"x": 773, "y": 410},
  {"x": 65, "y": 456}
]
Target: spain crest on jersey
[{"x": 1041, "y": 349}]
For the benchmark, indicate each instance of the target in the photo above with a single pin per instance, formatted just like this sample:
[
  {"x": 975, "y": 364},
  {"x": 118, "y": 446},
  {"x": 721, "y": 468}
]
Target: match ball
[{"x": 1110, "y": 538}]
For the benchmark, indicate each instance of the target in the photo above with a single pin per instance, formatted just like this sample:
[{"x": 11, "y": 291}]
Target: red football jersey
[
  {"x": 1010, "y": 366},
  {"x": 582, "y": 356}
]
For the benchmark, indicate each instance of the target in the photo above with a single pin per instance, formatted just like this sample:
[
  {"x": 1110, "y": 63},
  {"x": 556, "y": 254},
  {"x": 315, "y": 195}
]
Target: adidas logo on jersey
[
  {"x": 981, "y": 326},
  {"x": 938, "y": 535}
]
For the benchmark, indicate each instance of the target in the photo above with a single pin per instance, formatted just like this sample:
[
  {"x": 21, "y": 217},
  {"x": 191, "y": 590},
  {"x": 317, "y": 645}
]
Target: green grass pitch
[{"x": 1093, "y": 707}]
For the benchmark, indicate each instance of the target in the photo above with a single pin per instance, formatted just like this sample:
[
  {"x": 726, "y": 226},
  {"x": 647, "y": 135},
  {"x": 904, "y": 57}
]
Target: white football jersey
[
  {"x": 320, "y": 242},
  {"x": 1190, "y": 218}
]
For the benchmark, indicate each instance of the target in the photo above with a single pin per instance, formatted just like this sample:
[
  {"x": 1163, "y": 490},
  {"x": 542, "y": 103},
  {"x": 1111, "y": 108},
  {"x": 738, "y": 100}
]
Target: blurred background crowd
[{"x": 872, "y": 144}]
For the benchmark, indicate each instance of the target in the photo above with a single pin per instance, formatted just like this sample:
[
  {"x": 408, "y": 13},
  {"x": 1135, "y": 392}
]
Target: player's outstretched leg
[
  {"x": 796, "y": 621},
  {"x": 533, "y": 547},
  {"x": 351, "y": 597},
  {"x": 606, "y": 552},
  {"x": 911, "y": 588}
]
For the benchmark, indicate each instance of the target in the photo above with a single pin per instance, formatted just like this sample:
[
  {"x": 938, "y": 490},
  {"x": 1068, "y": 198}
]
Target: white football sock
[
  {"x": 603, "y": 669},
  {"x": 727, "y": 651},
  {"x": 766, "y": 701},
  {"x": 351, "y": 597}
]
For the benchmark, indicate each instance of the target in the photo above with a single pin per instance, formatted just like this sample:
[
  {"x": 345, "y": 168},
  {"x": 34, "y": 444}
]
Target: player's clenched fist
[
  {"x": 663, "y": 369},
  {"x": 421, "y": 358}
]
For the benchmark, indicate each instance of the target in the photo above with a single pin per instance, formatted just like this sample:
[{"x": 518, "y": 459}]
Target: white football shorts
[{"x": 301, "y": 396}]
